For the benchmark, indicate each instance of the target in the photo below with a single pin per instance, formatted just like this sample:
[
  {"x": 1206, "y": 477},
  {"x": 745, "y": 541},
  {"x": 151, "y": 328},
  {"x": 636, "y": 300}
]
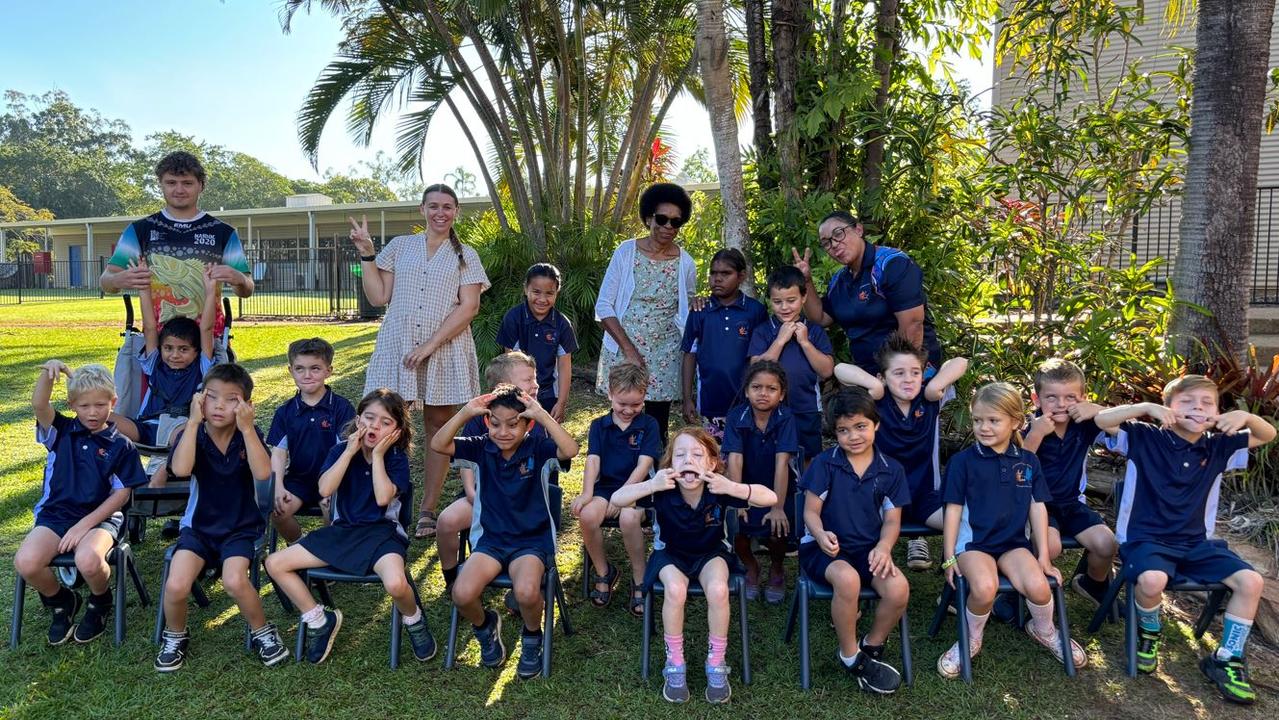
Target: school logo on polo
[
  {"x": 325, "y": 424},
  {"x": 549, "y": 337},
  {"x": 743, "y": 331},
  {"x": 634, "y": 440},
  {"x": 1022, "y": 474},
  {"x": 102, "y": 452},
  {"x": 711, "y": 517},
  {"x": 919, "y": 413}
]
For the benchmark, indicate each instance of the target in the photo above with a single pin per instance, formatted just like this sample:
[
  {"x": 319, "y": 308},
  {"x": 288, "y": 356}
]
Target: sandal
[
  {"x": 601, "y": 598},
  {"x": 425, "y": 525},
  {"x": 636, "y": 604}
]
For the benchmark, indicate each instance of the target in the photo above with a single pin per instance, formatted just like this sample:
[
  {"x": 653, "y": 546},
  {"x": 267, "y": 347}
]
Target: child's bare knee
[
  {"x": 676, "y": 590},
  {"x": 983, "y": 589},
  {"x": 1151, "y": 583},
  {"x": 717, "y": 593},
  {"x": 630, "y": 519},
  {"x": 91, "y": 564},
  {"x": 1247, "y": 584}
]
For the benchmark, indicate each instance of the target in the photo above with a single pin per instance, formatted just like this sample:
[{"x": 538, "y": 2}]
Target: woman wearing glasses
[
  {"x": 643, "y": 300},
  {"x": 878, "y": 291}
]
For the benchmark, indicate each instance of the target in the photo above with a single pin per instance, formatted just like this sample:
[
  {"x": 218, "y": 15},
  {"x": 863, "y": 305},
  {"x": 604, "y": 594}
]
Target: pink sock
[
  {"x": 718, "y": 646},
  {"x": 674, "y": 649}
]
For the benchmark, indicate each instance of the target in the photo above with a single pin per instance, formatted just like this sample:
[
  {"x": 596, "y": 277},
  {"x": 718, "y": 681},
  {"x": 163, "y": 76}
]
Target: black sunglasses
[{"x": 675, "y": 222}]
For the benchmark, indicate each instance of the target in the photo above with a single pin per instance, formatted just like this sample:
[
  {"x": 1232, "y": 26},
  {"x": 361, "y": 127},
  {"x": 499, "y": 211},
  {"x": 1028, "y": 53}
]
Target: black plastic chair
[
  {"x": 273, "y": 542},
  {"x": 123, "y": 564},
  {"x": 807, "y": 589},
  {"x": 1217, "y": 594},
  {"x": 552, "y": 588}
]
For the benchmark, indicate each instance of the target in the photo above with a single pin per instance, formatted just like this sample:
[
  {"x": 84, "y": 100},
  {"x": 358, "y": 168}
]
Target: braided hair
[{"x": 454, "y": 242}]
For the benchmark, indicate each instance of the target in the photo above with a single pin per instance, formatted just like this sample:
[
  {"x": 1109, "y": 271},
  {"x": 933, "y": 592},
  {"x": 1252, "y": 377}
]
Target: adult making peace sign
[{"x": 424, "y": 350}]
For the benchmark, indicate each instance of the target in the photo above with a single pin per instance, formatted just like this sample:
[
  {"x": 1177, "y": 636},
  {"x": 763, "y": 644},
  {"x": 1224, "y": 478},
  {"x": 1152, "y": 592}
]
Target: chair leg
[
  {"x": 140, "y": 587},
  {"x": 1130, "y": 629},
  {"x": 1080, "y": 567},
  {"x": 299, "y": 645},
  {"x": 548, "y": 621},
  {"x": 801, "y": 603},
  {"x": 744, "y": 621},
  {"x": 159, "y": 602},
  {"x": 201, "y": 597},
  {"x": 397, "y": 625},
  {"x": 908, "y": 665},
  {"x": 122, "y": 562},
  {"x": 19, "y": 600},
  {"x": 947, "y": 595},
  {"x": 793, "y": 613},
  {"x": 565, "y": 623},
  {"x": 1215, "y": 598},
  {"x": 1110, "y": 601},
  {"x": 1063, "y": 631},
  {"x": 646, "y": 635},
  {"x": 322, "y": 588},
  {"x": 450, "y": 651},
  {"x": 586, "y": 573},
  {"x": 965, "y": 642}
]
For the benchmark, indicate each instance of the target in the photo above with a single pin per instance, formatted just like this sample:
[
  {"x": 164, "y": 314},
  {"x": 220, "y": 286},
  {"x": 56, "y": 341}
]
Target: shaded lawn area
[{"x": 596, "y": 670}]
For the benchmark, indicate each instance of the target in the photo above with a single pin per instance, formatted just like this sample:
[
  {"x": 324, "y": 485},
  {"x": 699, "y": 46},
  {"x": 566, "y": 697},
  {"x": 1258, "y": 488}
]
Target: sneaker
[
  {"x": 530, "y": 664},
  {"x": 421, "y": 639},
  {"x": 775, "y": 591},
  {"x": 876, "y": 652},
  {"x": 94, "y": 621},
  {"x": 64, "y": 607},
  {"x": 489, "y": 636},
  {"x": 173, "y": 650},
  {"x": 675, "y": 685},
  {"x": 171, "y": 529},
  {"x": 1147, "y": 650},
  {"x": 718, "y": 691},
  {"x": 268, "y": 645},
  {"x": 1005, "y": 609},
  {"x": 512, "y": 605},
  {"x": 917, "y": 557},
  {"x": 1089, "y": 589},
  {"x": 1231, "y": 678},
  {"x": 948, "y": 663},
  {"x": 319, "y": 640},
  {"x": 1050, "y": 639},
  {"x": 752, "y": 589},
  {"x": 873, "y": 675}
]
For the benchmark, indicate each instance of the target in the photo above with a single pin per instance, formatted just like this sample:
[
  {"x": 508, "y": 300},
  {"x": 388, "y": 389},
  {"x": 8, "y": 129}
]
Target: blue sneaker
[
  {"x": 718, "y": 691},
  {"x": 530, "y": 665},
  {"x": 489, "y": 636},
  {"x": 319, "y": 641},
  {"x": 675, "y": 685},
  {"x": 421, "y": 639}
]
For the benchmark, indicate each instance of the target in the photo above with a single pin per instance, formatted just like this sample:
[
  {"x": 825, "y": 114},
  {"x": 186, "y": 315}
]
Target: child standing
[
  {"x": 691, "y": 500},
  {"x": 909, "y": 405},
  {"x": 303, "y": 430},
  {"x": 852, "y": 515},
  {"x": 759, "y": 442},
  {"x": 223, "y": 449},
  {"x": 537, "y": 328},
  {"x": 992, "y": 490},
  {"x": 1168, "y": 510},
  {"x": 716, "y": 340},
  {"x": 367, "y": 475},
  {"x": 802, "y": 348},
  {"x": 624, "y": 446},
  {"x": 512, "y": 530},
  {"x": 89, "y": 475}
]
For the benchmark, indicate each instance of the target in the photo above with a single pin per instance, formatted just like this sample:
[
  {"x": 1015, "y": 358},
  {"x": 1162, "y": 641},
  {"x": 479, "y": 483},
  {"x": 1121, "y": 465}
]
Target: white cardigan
[{"x": 619, "y": 285}]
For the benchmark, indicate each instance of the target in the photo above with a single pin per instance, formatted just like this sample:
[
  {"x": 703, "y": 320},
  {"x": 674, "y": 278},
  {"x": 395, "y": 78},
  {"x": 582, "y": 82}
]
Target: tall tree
[
  {"x": 1218, "y": 216},
  {"x": 761, "y": 98},
  {"x": 887, "y": 49},
  {"x": 717, "y": 83}
]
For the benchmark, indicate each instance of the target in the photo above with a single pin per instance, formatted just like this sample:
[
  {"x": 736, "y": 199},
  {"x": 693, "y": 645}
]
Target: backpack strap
[{"x": 883, "y": 255}]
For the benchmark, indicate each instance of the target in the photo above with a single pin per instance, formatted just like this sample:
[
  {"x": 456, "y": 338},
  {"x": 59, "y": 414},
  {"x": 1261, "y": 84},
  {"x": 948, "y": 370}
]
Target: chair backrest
[
  {"x": 553, "y": 496},
  {"x": 407, "y": 512}
]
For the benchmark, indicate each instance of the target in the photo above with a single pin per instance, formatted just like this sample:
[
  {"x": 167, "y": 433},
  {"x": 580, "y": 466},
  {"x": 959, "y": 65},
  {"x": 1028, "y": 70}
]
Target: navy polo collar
[
  {"x": 609, "y": 420},
  {"x": 745, "y": 420},
  {"x": 522, "y": 452},
  {"x": 531, "y": 319},
  {"x": 107, "y": 433},
  {"x": 326, "y": 401},
  {"x": 740, "y": 302},
  {"x": 1013, "y": 451},
  {"x": 836, "y": 458}
]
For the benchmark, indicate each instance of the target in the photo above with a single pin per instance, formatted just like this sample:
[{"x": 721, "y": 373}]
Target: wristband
[
  {"x": 368, "y": 258},
  {"x": 950, "y": 563}
]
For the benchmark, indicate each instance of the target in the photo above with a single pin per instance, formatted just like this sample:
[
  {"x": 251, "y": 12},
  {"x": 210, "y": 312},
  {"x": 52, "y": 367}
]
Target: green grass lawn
[{"x": 596, "y": 669}]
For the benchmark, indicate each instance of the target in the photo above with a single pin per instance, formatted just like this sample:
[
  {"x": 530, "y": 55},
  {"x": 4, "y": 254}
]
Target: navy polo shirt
[
  {"x": 913, "y": 438},
  {"x": 83, "y": 469},
  {"x": 805, "y": 393},
  {"x": 1065, "y": 460},
  {"x": 996, "y": 491},
  {"x": 720, "y": 336},
  {"x": 1171, "y": 487},
  {"x": 866, "y": 310},
  {"x": 510, "y": 509},
  {"x": 168, "y": 390},
  {"x": 619, "y": 450},
  {"x": 691, "y": 530},
  {"x": 222, "y": 500},
  {"x": 355, "y": 503},
  {"x": 759, "y": 448},
  {"x": 853, "y": 505},
  {"x": 546, "y": 340},
  {"x": 308, "y": 432}
]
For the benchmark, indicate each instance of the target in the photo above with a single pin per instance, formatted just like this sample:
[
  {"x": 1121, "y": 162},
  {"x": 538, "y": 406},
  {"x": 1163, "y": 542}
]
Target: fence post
[{"x": 102, "y": 267}]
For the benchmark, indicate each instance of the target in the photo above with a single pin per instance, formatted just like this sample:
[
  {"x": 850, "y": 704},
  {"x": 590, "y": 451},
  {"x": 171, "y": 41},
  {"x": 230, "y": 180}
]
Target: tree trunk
[
  {"x": 1214, "y": 250},
  {"x": 886, "y": 49},
  {"x": 761, "y": 94},
  {"x": 786, "y": 21},
  {"x": 712, "y": 53}
]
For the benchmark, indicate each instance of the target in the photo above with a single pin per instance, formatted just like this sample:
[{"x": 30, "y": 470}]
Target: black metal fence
[
  {"x": 298, "y": 280},
  {"x": 28, "y": 281}
]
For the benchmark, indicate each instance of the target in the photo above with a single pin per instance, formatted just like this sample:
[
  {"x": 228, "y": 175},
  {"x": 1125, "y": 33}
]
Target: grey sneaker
[
  {"x": 530, "y": 664},
  {"x": 718, "y": 691},
  {"x": 489, "y": 636},
  {"x": 675, "y": 686},
  {"x": 917, "y": 557}
]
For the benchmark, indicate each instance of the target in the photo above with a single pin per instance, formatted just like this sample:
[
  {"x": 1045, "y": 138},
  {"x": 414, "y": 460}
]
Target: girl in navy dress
[{"x": 367, "y": 477}]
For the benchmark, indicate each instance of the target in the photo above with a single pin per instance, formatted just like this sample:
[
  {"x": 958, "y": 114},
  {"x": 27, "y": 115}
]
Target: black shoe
[
  {"x": 1231, "y": 678},
  {"x": 171, "y": 529},
  {"x": 94, "y": 621},
  {"x": 421, "y": 639},
  {"x": 64, "y": 607},
  {"x": 489, "y": 636},
  {"x": 1092, "y": 590},
  {"x": 1005, "y": 609},
  {"x": 530, "y": 664},
  {"x": 270, "y": 648},
  {"x": 173, "y": 650},
  {"x": 319, "y": 641},
  {"x": 876, "y": 652},
  {"x": 874, "y": 676}
]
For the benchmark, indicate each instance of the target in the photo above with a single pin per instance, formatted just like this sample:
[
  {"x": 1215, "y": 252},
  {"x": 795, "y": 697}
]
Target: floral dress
[{"x": 650, "y": 321}]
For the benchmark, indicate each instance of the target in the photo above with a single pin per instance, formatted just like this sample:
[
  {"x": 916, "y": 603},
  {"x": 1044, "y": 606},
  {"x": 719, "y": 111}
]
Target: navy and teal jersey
[
  {"x": 308, "y": 432},
  {"x": 1171, "y": 486},
  {"x": 546, "y": 340},
  {"x": 996, "y": 491},
  {"x": 177, "y": 251},
  {"x": 853, "y": 506},
  {"x": 222, "y": 498},
  {"x": 691, "y": 530},
  {"x": 720, "y": 336},
  {"x": 82, "y": 469},
  {"x": 913, "y": 438},
  {"x": 619, "y": 450},
  {"x": 805, "y": 393},
  {"x": 355, "y": 502},
  {"x": 510, "y": 504},
  {"x": 865, "y": 304},
  {"x": 1065, "y": 460},
  {"x": 169, "y": 390},
  {"x": 759, "y": 448}
]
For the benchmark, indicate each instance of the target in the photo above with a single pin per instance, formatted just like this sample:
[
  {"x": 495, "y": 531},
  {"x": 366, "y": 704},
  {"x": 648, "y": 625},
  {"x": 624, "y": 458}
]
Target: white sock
[
  {"x": 976, "y": 625},
  {"x": 1042, "y": 616},
  {"x": 415, "y": 618},
  {"x": 314, "y": 617},
  {"x": 848, "y": 661}
]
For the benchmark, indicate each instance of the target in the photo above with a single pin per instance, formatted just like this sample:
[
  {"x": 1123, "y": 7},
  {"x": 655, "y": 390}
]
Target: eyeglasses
[
  {"x": 663, "y": 220},
  {"x": 836, "y": 237}
]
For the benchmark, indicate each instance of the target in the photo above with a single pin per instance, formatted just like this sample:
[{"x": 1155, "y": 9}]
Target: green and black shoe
[
  {"x": 1147, "y": 650},
  {"x": 1231, "y": 678}
]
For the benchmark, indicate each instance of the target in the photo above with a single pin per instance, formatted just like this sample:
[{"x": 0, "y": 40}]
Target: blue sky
[{"x": 226, "y": 73}]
